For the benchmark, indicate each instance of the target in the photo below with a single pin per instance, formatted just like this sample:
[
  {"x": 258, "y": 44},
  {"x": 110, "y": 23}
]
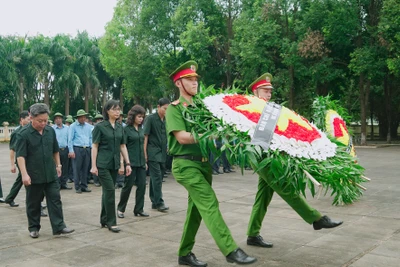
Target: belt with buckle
[
  {"x": 82, "y": 146},
  {"x": 193, "y": 158},
  {"x": 63, "y": 148}
]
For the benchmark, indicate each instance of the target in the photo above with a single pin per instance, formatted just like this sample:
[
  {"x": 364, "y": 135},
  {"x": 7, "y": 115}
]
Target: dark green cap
[{"x": 58, "y": 114}]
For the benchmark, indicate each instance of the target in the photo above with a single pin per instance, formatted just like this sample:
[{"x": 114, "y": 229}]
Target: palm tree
[
  {"x": 67, "y": 82},
  {"x": 87, "y": 54}
]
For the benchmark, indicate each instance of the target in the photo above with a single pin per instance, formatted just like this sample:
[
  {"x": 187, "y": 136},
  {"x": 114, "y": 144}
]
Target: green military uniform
[
  {"x": 109, "y": 140},
  {"x": 154, "y": 128},
  {"x": 18, "y": 182},
  {"x": 135, "y": 145},
  {"x": 266, "y": 188},
  {"x": 38, "y": 150},
  {"x": 195, "y": 175}
]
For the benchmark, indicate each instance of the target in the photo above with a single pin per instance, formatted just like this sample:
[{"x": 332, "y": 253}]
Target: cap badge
[{"x": 193, "y": 67}]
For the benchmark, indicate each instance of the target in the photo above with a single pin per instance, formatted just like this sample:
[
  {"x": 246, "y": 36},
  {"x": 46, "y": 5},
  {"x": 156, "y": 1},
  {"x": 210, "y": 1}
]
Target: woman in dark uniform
[
  {"x": 134, "y": 142},
  {"x": 108, "y": 153}
]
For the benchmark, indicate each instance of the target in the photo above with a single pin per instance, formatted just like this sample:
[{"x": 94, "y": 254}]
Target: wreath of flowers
[{"x": 212, "y": 118}]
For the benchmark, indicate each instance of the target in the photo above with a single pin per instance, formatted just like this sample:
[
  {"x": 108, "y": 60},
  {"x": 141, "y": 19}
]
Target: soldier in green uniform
[
  {"x": 39, "y": 162},
  {"x": 135, "y": 144},
  {"x": 155, "y": 149},
  {"x": 194, "y": 173},
  {"x": 108, "y": 146},
  {"x": 24, "y": 120},
  {"x": 262, "y": 88}
]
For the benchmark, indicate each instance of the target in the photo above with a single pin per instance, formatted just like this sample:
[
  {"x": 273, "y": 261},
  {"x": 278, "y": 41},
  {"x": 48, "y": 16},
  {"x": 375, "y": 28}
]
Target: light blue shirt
[
  {"x": 61, "y": 135},
  {"x": 79, "y": 135}
]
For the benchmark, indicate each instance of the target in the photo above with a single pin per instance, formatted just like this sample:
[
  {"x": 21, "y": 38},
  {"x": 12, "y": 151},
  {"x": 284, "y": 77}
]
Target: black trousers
[
  {"x": 157, "y": 170},
  {"x": 81, "y": 166},
  {"x": 34, "y": 197},
  {"x": 64, "y": 160}
]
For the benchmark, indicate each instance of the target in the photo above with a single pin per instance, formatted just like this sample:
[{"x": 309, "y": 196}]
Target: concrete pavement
[{"x": 370, "y": 235}]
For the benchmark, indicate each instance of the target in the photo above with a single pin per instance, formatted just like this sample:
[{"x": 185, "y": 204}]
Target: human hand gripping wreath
[{"x": 298, "y": 154}]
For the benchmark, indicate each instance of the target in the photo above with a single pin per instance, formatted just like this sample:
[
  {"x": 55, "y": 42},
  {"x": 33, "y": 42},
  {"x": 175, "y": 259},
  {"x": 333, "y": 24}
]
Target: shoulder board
[{"x": 176, "y": 102}]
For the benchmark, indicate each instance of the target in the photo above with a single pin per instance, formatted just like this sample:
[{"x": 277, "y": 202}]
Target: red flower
[{"x": 234, "y": 101}]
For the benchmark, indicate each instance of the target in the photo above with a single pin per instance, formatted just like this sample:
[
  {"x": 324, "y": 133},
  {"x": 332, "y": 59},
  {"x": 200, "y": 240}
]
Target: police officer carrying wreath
[
  {"x": 194, "y": 172},
  {"x": 262, "y": 88}
]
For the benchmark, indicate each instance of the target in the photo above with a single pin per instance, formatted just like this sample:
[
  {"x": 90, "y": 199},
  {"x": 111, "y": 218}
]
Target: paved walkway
[{"x": 370, "y": 235}]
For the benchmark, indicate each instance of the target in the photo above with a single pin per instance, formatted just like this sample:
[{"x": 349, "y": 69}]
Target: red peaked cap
[
  {"x": 187, "y": 69},
  {"x": 263, "y": 80}
]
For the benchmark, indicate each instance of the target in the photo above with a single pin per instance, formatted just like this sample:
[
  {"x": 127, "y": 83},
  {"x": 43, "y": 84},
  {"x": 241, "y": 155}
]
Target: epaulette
[{"x": 176, "y": 102}]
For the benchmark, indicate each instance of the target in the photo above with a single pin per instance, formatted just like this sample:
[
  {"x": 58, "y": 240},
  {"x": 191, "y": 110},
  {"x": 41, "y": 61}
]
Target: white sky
[{"x": 50, "y": 17}]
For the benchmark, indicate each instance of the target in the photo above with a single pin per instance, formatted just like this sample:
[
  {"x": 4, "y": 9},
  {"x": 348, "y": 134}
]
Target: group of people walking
[{"x": 113, "y": 149}]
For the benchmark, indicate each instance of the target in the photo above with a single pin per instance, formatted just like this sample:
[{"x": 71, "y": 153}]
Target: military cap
[
  {"x": 263, "y": 80},
  {"x": 81, "y": 112},
  {"x": 98, "y": 116},
  {"x": 58, "y": 114},
  {"x": 187, "y": 69}
]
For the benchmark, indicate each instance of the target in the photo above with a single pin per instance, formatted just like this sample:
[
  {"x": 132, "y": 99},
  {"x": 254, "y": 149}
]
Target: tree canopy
[{"x": 346, "y": 48}]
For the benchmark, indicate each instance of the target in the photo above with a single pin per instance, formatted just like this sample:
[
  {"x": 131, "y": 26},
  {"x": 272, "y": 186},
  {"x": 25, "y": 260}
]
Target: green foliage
[
  {"x": 339, "y": 174},
  {"x": 321, "y": 105}
]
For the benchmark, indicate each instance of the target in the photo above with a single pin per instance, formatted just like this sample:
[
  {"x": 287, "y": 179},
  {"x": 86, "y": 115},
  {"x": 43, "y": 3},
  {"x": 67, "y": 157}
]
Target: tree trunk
[
  {"x": 371, "y": 112},
  {"x": 388, "y": 111},
  {"x": 21, "y": 94},
  {"x": 87, "y": 89},
  {"x": 66, "y": 101},
  {"x": 364, "y": 93},
  {"x": 46, "y": 94},
  {"x": 228, "y": 45},
  {"x": 291, "y": 87},
  {"x": 104, "y": 97},
  {"x": 95, "y": 95},
  {"x": 121, "y": 98}
]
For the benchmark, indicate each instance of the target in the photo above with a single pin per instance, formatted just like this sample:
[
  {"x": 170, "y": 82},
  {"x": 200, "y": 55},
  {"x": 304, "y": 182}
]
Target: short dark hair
[
  {"x": 135, "y": 110},
  {"x": 23, "y": 114},
  {"x": 38, "y": 109},
  {"x": 163, "y": 101},
  {"x": 109, "y": 105}
]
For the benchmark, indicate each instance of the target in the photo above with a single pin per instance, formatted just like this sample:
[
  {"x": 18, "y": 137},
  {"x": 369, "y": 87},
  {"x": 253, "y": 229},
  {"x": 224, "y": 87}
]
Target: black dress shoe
[
  {"x": 153, "y": 207},
  {"x": 2, "y": 200},
  {"x": 240, "y": 257},
  {"x": 325, "y": 222},
  {"x": 120, "y": 214},
  {"x": 103, "y": 225},
  {"x": 86, "y": 190},
  {"x": 97, "y": 184},
  {"x": 12, "y": 204},
  {"x": 215, "y": 173},
  {"x": 78, "y": 191},
  {"x": 34, "y": 234},
  {"x": 64, "y": 231},
  {"x": 162, "y": 208},
  {"x": 258, "y": 241},
  {"x": 226, "y": 171},
  {"x": 191, "y": 260},
  {"x": 141, "y": 214},
  {"x": 43, "y": 213},
  {"x": 70, "y": 181},
  {"x": 66, "y": 187}
]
